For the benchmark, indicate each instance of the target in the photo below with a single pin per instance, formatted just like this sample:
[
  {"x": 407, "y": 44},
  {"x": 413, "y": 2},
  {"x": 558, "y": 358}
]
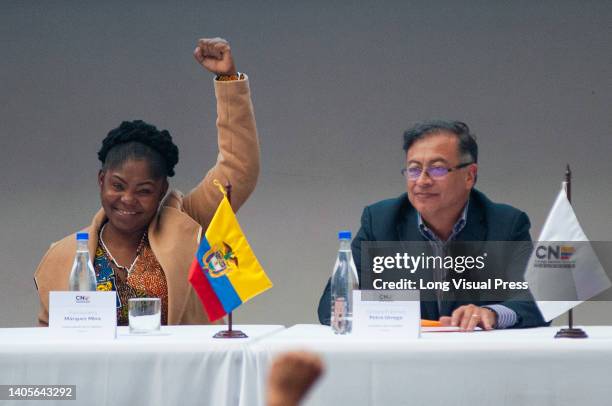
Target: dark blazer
[{"x": 396, "y": 220}]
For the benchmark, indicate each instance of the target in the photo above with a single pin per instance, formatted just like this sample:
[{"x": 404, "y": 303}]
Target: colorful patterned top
[{"x": 146, "y": 280}]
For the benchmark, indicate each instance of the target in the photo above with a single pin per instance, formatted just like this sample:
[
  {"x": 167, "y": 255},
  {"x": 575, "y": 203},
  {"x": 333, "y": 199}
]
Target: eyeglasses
[{"x": 434, "y": 172}]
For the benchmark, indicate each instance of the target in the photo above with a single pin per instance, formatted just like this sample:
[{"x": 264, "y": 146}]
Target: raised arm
[{"x": 238, "y": 159}]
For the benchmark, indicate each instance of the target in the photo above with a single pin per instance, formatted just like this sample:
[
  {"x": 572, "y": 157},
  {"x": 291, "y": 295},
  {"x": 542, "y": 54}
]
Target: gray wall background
[{"x": 334, "y": 86}]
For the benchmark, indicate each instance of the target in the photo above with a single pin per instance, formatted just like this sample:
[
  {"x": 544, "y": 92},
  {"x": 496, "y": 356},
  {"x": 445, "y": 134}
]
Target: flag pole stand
[
  {"x": 571, "y": 331},
  {"x": 230, "y": 332}
]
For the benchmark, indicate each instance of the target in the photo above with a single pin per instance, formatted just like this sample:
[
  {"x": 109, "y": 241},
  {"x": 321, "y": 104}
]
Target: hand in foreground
[
  {"x": 215, "y": 55},
  {"x": 291, "y": 375},
  {"x": 468, "y": 317}
]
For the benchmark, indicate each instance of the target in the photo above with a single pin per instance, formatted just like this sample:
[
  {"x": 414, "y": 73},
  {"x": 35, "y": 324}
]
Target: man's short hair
[{"x": 468, "y": 149}]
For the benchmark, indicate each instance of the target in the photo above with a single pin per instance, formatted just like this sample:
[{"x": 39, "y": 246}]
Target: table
[
  {"x": 182, "y": 366},
  {"x": 503, "y": 367},
  {"x": 185, "y": 366}
]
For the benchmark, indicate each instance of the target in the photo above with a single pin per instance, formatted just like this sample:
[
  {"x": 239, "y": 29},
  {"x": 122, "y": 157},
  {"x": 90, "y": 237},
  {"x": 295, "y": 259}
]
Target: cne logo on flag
[
  {"x": 220, "y": 260},
  {"x": 566, "y": 246},
  {"x": 566, "y": 252},
  {"x": 554, "y": 256}
]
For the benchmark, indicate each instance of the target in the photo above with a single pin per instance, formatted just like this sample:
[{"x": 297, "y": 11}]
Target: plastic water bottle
[
  {"x": 82, "y": 276},
  {"x": 343, "y": 282}
]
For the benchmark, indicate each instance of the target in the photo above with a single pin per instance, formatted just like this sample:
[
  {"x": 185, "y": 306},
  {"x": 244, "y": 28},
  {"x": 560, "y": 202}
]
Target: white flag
[{"x": 563, "y": 275}]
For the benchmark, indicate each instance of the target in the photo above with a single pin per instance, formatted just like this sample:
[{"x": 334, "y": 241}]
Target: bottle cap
[
  {"x": 82, "y": 236},
  {"x": 344, "y": 235}
]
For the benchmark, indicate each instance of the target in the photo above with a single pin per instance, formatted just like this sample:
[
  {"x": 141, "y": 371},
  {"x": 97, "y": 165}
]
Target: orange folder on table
[
  {"x": 430, "y": 323},
  {"x": 434, "y": 326}
]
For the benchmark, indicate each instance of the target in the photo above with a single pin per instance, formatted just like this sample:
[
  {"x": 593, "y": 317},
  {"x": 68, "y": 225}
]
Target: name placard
[
  {"x": 386, "y": 314},
  {"x": 83, "y": 314}
]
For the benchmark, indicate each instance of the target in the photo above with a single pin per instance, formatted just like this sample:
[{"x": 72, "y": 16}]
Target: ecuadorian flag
[{"x": 225, "y": 272}]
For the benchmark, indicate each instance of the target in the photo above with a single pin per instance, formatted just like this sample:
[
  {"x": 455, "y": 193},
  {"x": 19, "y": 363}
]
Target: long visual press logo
[{"x": 555, "y": 256}]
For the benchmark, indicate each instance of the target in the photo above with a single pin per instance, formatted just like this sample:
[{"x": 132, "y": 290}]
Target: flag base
[
  {"x": 230, "y": 334},
  {"x": 571, "y": 333}
]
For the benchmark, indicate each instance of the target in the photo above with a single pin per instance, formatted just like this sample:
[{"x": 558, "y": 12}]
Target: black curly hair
[{"x": 139, "y": 140}]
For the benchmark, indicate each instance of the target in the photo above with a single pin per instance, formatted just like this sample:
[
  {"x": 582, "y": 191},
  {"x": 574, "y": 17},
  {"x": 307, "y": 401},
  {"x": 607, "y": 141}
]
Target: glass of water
[{"x": 145, "y": 315}]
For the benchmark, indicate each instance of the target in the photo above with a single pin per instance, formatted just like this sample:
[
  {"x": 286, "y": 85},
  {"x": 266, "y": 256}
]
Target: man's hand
[
  {"x": 291, "y": 375},
  {"x": 469, "y": 316},
  {"x": 215, "y": 55}
]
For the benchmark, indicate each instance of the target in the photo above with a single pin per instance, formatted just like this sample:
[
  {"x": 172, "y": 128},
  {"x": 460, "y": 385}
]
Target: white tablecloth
[
  {"x": 504, "y": 367},
  {"x": 182, "y": 366},
  {"x": 186, "y": 366}
]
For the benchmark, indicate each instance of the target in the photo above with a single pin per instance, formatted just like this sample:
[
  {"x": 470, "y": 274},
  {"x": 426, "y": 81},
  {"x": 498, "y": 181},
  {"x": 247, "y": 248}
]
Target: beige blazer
[{"x": 175, "y": 230}]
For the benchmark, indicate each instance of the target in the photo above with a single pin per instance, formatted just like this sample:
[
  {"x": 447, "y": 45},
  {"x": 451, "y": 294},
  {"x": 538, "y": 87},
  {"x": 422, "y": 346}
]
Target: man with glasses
[{"x": 441, "y": 206}]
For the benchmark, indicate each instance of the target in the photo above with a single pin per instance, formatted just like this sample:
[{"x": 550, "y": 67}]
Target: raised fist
[
  {"x": 215, "y": 55},
  {"x": 291, "y": 375}
]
